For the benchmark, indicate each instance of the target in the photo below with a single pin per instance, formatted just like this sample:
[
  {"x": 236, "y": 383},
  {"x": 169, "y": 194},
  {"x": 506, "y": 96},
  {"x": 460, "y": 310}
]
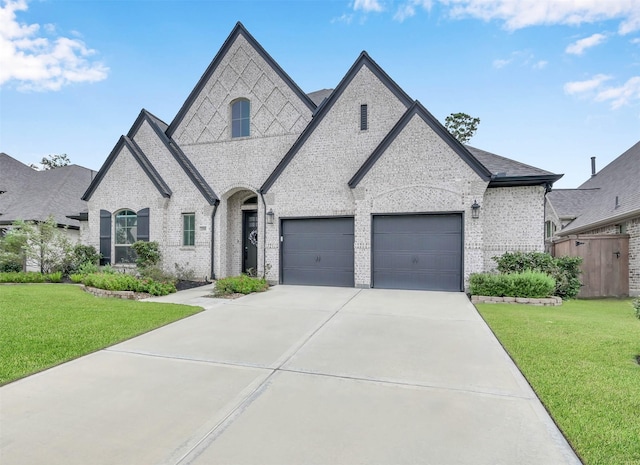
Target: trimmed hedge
[
  {"x": 532, "y": 284},
  {"x": 565, "y": 270}
]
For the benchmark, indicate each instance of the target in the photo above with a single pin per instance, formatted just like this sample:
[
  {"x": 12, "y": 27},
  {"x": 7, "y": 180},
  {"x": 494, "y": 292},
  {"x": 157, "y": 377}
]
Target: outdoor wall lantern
[
  {"x": 270, "y": 216},
  {"x": 475, "y": 210}
]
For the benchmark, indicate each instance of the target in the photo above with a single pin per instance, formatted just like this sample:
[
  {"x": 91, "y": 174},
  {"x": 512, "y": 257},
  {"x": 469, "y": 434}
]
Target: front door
[{"x": 250, "y": 242}]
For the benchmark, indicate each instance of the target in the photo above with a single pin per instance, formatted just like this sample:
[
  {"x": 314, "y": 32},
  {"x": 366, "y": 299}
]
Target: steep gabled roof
[
  {"x": 363, "y": 60},
  {"x": 238, "y": 30},
  {"x": 619, "y": 180},
  {"x": 142, "y": 160},
  {"x": 319, "y": 95},
  {"x": 159, "y": 127},
  {"x": 417, "y": 109}
]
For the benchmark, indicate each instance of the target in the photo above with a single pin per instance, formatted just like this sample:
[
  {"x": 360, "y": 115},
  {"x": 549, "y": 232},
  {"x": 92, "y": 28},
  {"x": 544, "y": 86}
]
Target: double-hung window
[{"x": 188, "y": 229}]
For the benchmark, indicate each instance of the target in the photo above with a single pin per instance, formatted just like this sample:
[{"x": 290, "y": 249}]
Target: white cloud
[
  {"x": 408, "y": 9},
  {"x": 579, "y": 87},
  {"x": 579, "y": 46},
  {"x": 500, "y": 63},
  {"x": 636, "y": 40},
  {"x": 367, "y": 5},
  {"x": 542, "y": 64},
  {"x": 621, "y": 95},
  {"x": 38, "y": 62},
  {"x": 518, "y": 14}
]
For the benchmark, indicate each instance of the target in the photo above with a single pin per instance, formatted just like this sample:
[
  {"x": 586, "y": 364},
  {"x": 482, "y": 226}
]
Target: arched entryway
[{"x": 240, "y": 233}]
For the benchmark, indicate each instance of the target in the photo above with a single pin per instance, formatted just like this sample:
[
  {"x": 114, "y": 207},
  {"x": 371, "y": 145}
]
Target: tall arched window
[
  {"x": 240, "y": 118},
  {"x": 126, "y": 234}
]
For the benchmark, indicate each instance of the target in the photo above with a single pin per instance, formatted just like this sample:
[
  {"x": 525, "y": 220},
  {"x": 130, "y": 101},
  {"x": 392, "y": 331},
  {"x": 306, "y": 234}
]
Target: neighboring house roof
[
  {"x": 570, "y": 203},
  {"x": 239, "y": 29},
  {"x": 363, "y": 60},
  {"x": 619, "y": 180},
  {"x": 35, "y": 195},
  {"x": 418, "y": 109}
]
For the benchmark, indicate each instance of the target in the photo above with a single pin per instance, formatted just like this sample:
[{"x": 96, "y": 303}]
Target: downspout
[
  {"x": 264, "y": 235},
  {"x": 213, "y": 217}
]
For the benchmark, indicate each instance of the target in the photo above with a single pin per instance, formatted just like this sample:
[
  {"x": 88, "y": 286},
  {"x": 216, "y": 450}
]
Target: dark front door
[{"x": 249, "y": 241}]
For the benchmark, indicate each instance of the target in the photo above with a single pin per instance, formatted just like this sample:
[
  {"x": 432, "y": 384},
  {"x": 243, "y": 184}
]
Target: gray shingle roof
[
  {"x": 318, "y": 96},
  {"x": 621, "y": 179},
  {"x": 38, "y": 194},
  {"x": 570, "y": 203},
  {"x": 501, "y": 166}
]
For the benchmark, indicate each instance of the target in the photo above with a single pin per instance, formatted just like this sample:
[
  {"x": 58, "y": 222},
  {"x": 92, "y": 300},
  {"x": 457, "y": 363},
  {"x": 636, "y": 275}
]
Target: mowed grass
[
  {"x": 42, "y": 325},
  {"x": 580, "y": 360}
]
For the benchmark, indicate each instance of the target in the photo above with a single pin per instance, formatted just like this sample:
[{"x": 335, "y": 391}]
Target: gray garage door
[
  {"x": 418, "y": 252},
  {"x": 317, "y": 251}
]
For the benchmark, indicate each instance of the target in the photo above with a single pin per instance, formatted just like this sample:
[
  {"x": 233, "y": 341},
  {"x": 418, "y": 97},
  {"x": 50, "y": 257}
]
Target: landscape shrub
[
  {"x": 76, "y": 277},
  {"x": 82, "y": 257},
  {"x": 156, "y": 273},
  {"x": 564, "y": 270},
  {"x": 147, "y": 253},
  {"x": 531, "y": 284},
  {"x": 55, "y": 277},
  {"x": 242, "y": 284},
  {"x": 28, "y": 277},
  {"x": 636, "y": 307},
  {"x": 127, "y": 282}
]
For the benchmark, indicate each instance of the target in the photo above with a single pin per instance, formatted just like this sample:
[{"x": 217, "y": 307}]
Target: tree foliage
[
  {"x": 461, "y": 126},
  {"x": 43, "y": 244},
  {"x": 52, "y": 161}
]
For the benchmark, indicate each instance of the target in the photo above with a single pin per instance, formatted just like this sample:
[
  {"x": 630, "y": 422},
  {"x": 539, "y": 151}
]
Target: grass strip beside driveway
[
  {"x": 42, "y": 325},
  {"x": 580, "y": 360}
]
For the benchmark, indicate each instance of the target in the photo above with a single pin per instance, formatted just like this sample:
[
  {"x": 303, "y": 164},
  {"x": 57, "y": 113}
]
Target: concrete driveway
[{"x": 296, "y": 375}]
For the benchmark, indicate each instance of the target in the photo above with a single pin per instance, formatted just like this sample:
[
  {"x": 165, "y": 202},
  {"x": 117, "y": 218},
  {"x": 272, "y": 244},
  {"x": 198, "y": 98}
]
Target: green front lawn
[
  {"x": 42, "y": 325},
  {"x": 580, "y": 359}
]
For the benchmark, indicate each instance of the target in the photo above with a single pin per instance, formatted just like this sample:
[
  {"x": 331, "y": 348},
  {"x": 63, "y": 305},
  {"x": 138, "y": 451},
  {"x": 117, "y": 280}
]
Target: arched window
[
  {"x": 126, "y": 234},
  {"x": 240, "y": 118}
]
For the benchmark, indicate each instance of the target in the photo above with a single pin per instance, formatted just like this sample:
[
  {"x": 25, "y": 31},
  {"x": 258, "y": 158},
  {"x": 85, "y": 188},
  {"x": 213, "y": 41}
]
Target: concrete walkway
[{"x": 296, "y": 375}]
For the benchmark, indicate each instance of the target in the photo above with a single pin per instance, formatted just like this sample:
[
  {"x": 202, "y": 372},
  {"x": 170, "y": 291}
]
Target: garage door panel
[
  {"x": 415, "y": 242},
  {"x": 318, "y": 251},
  {"x": 417, "y": 251}
]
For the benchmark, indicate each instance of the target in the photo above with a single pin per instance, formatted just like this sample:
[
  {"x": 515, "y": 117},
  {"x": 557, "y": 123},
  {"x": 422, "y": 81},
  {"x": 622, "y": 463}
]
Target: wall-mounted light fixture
[
  {"x": 475, "y": 210},
  {"x": 270, "y": 216}
]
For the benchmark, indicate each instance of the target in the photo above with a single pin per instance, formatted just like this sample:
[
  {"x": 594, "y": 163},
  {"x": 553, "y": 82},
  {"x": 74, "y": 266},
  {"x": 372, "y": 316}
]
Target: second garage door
[
  {"x": 317, "y": 251},
  {"x": 418, "y": 252}
]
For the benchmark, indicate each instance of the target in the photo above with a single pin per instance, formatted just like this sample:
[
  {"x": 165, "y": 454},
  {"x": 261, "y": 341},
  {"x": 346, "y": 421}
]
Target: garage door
[
  {"x": 418, "y": 252},
  {"x": 317, "y": 251}
]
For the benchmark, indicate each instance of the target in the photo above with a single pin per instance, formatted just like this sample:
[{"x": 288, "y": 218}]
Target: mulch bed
[{"x": 184, "y": 285}]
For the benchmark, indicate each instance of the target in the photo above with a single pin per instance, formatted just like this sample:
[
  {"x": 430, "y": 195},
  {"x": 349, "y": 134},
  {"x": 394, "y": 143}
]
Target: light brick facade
[{"x": 298, "y": 161}]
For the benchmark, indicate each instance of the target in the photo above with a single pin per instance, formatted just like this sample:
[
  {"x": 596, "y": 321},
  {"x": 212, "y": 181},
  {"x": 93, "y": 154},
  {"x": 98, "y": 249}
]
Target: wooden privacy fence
[{"x": 605, "y": 263}]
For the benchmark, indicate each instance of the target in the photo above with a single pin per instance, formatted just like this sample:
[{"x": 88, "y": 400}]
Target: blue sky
[{"x": 554, "y": 82}]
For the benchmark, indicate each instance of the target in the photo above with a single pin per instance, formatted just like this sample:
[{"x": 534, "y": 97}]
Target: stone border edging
[
  {"x": 129, "y": 295},
  {"x": 548, "y": 302}
]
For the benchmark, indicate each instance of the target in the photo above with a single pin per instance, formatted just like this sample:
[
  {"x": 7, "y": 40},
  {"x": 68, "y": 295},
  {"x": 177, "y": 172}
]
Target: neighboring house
[
  {"x": 354, "y": 186},
  {"x": 31, "y": 195},
  {"x": 608, "y": 203}
]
